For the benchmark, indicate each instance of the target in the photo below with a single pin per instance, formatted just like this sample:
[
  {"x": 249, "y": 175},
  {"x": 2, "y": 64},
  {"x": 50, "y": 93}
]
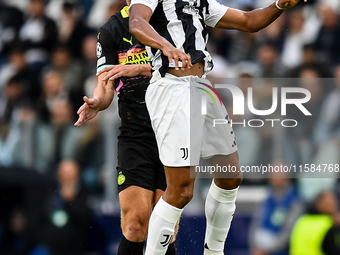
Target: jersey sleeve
[
  {"x": 152, "y": 4},
  {"x": 215, "y": 12},
  {"x": 106, "y": 53}
]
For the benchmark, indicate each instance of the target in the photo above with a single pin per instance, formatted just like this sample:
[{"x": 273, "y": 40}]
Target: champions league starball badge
[{"x": 99, "y": 50}]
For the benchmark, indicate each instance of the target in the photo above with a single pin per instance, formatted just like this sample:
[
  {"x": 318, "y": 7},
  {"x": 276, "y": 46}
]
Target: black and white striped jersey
[{"x": 183, "y": 23}]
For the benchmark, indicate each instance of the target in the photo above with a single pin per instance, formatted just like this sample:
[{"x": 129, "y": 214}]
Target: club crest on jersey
[
  {"x": 191, "y": 9},
  {"x": 99, "y": 50}
]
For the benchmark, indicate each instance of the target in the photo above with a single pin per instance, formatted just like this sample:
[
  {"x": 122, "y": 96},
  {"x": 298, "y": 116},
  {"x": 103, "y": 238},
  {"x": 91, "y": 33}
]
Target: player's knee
[
  {"x": 230, "y": 183},
  {"x": 180, "y": 194},
  {"x": 135, "y": 231},
  {"x": 237, "y": 181},
  {"x": 186, "y": 195},
  {"x": 135, "y": 223}
]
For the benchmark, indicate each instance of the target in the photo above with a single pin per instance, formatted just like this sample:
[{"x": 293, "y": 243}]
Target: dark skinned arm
[
  {"x": 255, "y": 20},
  {"x": 139, "y": 26}
]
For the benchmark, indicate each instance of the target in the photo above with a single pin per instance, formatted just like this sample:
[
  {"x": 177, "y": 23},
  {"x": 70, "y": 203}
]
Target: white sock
[
  {"x": 161, "y": 227},
  {"x": 219, "y": 212}
]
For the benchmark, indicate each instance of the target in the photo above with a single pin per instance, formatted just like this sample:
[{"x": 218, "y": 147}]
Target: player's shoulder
[
  {"x": 117, "y": 22},
  {"x": 110, "y": 31},
  {"x": 110, "y": 25}
]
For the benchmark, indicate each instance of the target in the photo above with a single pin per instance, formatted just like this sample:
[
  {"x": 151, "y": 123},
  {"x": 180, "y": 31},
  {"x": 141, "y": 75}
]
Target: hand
[
  {"x": 88, "y": 110},
  {"x": 175, "y": 54},
  {"x": 117, "y": 71},
  {"x": 288, "y": 3}
]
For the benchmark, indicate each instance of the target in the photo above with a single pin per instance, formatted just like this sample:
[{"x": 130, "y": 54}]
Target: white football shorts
[{"x": 189, "y": 120}]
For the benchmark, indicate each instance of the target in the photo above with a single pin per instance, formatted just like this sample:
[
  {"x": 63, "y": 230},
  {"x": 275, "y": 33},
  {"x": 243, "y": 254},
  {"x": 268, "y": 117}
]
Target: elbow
[
  {"x": 250, "y": 25},
  {"x": 251, "y": 28},
  {"x": 254, "y": 30}
]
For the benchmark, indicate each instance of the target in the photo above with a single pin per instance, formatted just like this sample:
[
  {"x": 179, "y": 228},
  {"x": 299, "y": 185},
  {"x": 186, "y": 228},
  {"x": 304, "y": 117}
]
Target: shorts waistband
[
  {"x": 156, "y": 76},
  {"x": 184, "y": 78}
]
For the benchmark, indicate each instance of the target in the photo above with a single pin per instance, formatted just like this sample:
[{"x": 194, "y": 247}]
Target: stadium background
[{"x": 47, "y": 64}]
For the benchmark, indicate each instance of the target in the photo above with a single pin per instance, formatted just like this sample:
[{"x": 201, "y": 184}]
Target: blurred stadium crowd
[{"x": 54, "y": 177}]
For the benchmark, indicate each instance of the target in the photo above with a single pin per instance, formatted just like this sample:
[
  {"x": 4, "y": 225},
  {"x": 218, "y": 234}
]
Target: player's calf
[
  {"x": 220, "y": 205},
  {"x": 219, "y": 210},
  {"x": 169, "y": 209},
  {"x": 162, "y": 227}
]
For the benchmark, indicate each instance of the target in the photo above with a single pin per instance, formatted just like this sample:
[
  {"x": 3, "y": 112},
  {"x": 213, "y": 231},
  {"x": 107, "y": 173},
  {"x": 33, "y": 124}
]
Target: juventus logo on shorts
[
  {"x": 167, "y": 240},
  {"x": 185, "y": 153}
]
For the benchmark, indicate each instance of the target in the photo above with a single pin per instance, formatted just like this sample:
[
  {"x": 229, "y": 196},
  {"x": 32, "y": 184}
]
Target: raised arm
[
  {"x": 255, "y": 20},
  {"x": 139, "y": 26}
]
